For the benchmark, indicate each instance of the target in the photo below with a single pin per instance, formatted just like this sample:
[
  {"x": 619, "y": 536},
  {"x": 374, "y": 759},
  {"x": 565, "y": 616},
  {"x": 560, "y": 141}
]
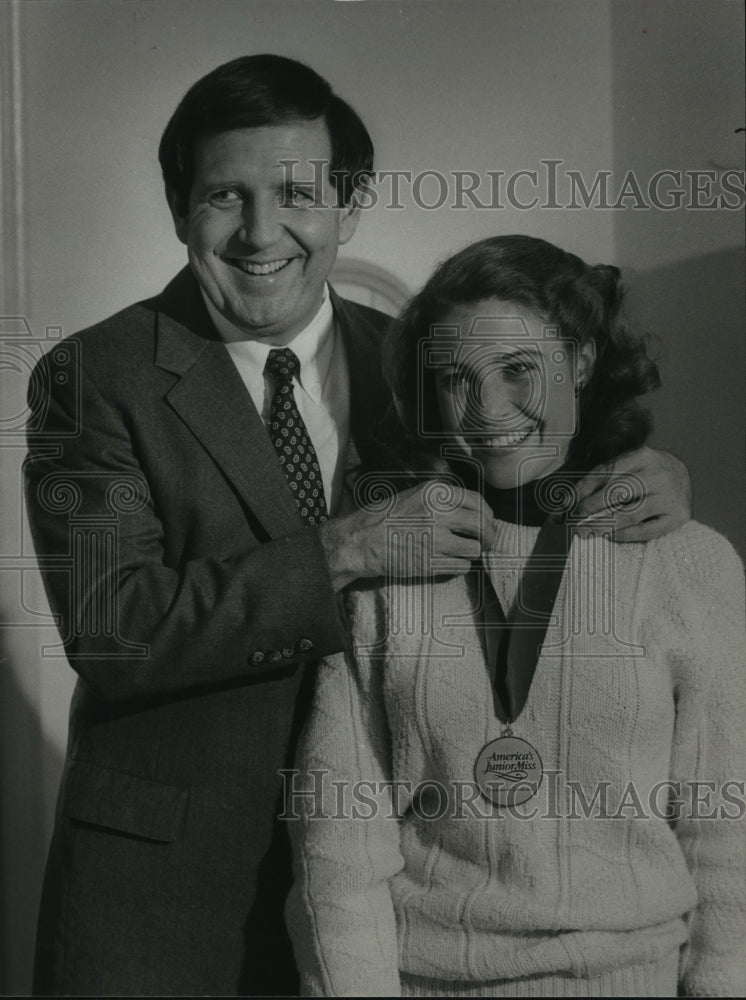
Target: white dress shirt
[{"x": 322, "y": 388}]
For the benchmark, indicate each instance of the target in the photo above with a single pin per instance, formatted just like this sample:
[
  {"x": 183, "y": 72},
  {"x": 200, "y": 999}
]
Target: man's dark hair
[
  {"x": 263, "y": 90},
  {"x": 584, "y": 301}
]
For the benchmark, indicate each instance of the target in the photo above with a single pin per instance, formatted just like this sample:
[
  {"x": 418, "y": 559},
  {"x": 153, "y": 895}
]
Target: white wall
[
  {"x": 459, "y": 85},
  {"x": 441, "y": 85}
]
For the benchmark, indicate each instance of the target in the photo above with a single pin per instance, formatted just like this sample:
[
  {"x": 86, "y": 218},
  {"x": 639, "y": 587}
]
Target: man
[{"x": 179, "y": 485}]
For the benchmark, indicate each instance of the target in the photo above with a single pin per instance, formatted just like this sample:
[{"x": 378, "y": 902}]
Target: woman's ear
[{"x": 585, "y": 364}]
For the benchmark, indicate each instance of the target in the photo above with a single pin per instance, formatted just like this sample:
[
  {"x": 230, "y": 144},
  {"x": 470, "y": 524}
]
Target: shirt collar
[{"x": 313, "y": 345}]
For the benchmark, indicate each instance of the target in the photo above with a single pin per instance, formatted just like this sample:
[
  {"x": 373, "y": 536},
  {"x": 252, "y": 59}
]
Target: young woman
[{"x": 527, "y": 781}]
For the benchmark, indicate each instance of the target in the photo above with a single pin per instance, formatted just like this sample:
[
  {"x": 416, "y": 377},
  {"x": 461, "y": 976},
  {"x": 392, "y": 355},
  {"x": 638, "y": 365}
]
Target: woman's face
[{"x": 506, "y": 388}]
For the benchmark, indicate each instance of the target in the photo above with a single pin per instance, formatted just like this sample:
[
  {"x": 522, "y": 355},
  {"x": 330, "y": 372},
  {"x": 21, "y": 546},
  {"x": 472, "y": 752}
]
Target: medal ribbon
[{"x": 522, "y": 637}]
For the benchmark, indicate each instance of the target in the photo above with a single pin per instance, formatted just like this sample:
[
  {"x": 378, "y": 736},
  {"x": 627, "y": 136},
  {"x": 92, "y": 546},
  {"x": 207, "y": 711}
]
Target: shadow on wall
[
  {"x": 696, "y": 307},
  {"x": 25, "y": 757}
]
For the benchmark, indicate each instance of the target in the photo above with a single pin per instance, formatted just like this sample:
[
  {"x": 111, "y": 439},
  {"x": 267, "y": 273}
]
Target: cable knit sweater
[{"x": 640, "y": 682}]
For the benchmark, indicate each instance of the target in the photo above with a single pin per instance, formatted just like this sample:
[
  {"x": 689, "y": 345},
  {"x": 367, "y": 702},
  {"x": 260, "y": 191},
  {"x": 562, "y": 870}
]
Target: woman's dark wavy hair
[
  {"x": 584, "y": 301},
  {"x": 258, "y": 90}
]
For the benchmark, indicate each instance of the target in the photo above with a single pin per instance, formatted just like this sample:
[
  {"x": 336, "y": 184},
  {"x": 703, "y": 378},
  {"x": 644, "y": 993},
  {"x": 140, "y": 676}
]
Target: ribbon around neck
[{"x": 522, "y": 636}]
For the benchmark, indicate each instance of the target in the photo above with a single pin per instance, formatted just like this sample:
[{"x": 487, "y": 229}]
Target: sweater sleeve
[
  {"x": 345, "y": 834},
  {"x": 702, "y": 582}
]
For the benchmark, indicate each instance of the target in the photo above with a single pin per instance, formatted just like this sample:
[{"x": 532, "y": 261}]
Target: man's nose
[{"x": 260, "y": 223}]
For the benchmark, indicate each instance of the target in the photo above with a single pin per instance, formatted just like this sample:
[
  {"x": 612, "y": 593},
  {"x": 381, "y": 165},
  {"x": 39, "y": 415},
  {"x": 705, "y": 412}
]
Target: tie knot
[{"x": 282, "y": 363}]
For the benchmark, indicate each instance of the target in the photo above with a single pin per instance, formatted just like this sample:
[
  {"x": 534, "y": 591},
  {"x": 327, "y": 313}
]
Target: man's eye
[
  {"x": 300, "y": 197},
  {"x": 224, "y": 198}
]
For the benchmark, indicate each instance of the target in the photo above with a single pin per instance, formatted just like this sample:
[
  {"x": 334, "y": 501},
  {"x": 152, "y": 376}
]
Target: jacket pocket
[{"x": 124, "y": 802}]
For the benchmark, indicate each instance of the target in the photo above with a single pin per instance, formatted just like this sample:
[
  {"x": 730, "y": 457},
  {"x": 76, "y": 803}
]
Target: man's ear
[
  {"x": 586, "y": 363},
  {"x": 362, "y": 197},
  {"x": 349, "y": 216},
  {"x": 181, "y": 220}
]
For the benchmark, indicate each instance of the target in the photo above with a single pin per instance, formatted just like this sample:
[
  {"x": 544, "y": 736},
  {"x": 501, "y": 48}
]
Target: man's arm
[
  {"x": 135, "y": 620},
  {"x": 139, "y": 618},
  {"x": 433, "y": 539},
  {"x": 648, "y": 494}
]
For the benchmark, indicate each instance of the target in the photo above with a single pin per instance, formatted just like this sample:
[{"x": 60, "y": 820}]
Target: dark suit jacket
[{"x": 191, "y": 599}]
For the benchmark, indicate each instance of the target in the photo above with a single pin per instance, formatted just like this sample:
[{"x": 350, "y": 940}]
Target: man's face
[{"x": 262, "y": 238}]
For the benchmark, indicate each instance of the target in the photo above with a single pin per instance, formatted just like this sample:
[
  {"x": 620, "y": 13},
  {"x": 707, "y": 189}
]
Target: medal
[{"x": 508, "y": 770}]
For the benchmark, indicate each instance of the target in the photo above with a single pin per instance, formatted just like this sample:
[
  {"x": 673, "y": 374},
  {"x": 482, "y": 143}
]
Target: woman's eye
[
  {"x": 516, "y": 369},
  {"x": 224, "y": 198},
  {"x": 451, "y": 381}
]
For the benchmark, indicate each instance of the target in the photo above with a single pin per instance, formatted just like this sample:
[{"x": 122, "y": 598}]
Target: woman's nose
[{"x": 495, "y": 404}]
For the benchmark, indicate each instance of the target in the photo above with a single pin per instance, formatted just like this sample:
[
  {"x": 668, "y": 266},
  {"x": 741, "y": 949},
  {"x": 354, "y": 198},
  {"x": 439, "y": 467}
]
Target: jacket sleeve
[
  {"x": 345, "y": 835},
  {"x": 702, "y": 578},
  {"x": 134, "y": 622}
]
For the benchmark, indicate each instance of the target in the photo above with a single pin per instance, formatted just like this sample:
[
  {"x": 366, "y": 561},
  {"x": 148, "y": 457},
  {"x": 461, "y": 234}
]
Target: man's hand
[
  {"x": 435, "y": 538},
  {"x": 654, "y": 485}
]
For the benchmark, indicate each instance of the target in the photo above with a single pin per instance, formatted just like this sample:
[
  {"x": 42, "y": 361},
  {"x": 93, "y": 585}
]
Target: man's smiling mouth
[{"x": 248, "y": 267}]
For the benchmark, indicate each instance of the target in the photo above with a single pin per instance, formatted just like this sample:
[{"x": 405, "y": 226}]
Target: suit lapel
[
  {"x": 369, "y": 396},
  {"x": 211, "y": 399}
]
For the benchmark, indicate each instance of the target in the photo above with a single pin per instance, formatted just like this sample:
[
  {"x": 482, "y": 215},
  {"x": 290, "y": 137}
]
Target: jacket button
[
  {"x": 304, "y": 645},
  {"x": 274, "y": 656},
  {"x": 288, "y": 652},
  {"x": 257, "y": 657}
]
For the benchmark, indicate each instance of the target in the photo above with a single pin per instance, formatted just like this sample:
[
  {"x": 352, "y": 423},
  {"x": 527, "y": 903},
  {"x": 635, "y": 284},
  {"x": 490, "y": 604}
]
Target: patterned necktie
[{"x": 290, "y": 438}]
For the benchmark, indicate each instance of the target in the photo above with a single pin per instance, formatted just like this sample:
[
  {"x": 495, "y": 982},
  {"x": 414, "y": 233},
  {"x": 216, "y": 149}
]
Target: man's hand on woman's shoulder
[
  {"x": 425, "y": 531},
  {"x": 647, "y": 492}
]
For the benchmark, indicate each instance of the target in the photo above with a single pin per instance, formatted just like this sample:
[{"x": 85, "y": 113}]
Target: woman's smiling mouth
[{"x": 503, "y": 440}]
